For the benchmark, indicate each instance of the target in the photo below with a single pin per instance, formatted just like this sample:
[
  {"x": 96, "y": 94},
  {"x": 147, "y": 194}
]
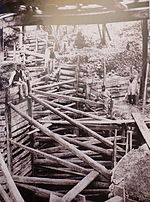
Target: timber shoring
[{"x": 57, "y": 138}]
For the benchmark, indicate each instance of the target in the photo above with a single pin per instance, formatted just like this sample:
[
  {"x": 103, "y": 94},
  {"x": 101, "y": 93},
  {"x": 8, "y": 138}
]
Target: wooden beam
[
  {"x": 54, "y": 84},
  {"x": 106, "y": 3},
  {"x": 44, "y": 193},
  {"x": 48, "y": 181},
  {"x": 8, "y": 129},
  {"x": 77, "y": 111},
  {"x": 16, "y": 196},
  {"x": 54, "y": 198},
  {"x": 93, "y": 18},
  {"x": 70, "y": 98},
  {"x": 89, "y": 146},
  {"x": 142, "y": 127},
  {"x": 51, "y": 157},
  {"x": 74, "y": 122},
  {"x": 69, "y": 196},
  {"x": 144, "y": 56},
  {"x": 101, "y": 169},
  {"x": 4, "y": 195}
]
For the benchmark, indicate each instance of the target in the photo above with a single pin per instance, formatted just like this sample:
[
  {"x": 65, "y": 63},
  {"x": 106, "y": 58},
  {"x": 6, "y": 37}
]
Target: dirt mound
[{"x": 131, "y": 176}]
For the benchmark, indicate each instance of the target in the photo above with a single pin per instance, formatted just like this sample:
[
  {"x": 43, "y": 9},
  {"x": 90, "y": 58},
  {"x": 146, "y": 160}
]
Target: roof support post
[{"x": 144, "y": 56}]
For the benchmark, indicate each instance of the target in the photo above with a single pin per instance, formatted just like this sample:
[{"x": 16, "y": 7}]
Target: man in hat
[{"x": 18, "y": 78}]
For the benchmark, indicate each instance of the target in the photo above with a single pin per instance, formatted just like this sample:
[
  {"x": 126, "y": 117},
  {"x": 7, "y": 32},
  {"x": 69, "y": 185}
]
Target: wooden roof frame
[{"x": 110, "y": 11}]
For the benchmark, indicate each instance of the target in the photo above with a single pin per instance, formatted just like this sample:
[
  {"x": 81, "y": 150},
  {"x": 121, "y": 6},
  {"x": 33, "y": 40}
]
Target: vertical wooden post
[
  {"x": 127, "y": 142},
  {"x": 99, "y": 31},
  {"x": 145, "y": 54},
  {"x": 8, "y": 129},
  {"x": 130, "y": 140},
  {"x": 1, "y": 45},
  {"x": 104, "y": 73},
  {"x": 108, "y": 33},
  {"x": 36, "y": 45},
  {"x": 104, "y": 34},
  {"x": 145, "y": 89},
  {"x": 14, "y": 53},
  {"x": 77, "y": 72},
  {"x": 30, "y": 107},
  {"x": 21, "y": 38},
  {"x": 115, "y": 149},
  {"x": 30, "y": 113}
]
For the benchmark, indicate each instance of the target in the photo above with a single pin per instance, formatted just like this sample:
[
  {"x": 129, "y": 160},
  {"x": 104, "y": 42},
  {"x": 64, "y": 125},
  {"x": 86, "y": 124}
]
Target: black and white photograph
[{"x": 74, "y": 101}]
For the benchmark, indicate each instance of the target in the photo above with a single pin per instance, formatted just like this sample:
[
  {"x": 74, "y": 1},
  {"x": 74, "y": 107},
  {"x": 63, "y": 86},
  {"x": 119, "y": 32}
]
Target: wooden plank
[
  {"x": 77, "y": 111},
  {"x": 96, "y": 18},
  {"x": 73, "y": 122},
  {"x": 19, "y": 126},
  {"x": 142, "y": 127},
  {"x": 54, "y": 84},
  {"x": 91, "y": 147},
  {"x": 100, "y": 168},
  {"x": 4, "y": 194},
  {"x": 54, "y": 198},
  {"x": 48, "y": 181},
  {"x": 11, "y": 185},
  {"x": 80, "y": 186},
  {"x": 8, "y": 130},
  {"x": 145, "y": 39},
  {"x": 38, "y": 191},
  {"x": 55, "y": 159},
  {"x": 69, "y": 98}
]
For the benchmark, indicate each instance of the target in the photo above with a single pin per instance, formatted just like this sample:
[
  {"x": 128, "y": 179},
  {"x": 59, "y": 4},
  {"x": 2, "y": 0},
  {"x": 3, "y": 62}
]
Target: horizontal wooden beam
[
  {"x": 90, "y": 18},
  {"x": 98, "y": 167}
]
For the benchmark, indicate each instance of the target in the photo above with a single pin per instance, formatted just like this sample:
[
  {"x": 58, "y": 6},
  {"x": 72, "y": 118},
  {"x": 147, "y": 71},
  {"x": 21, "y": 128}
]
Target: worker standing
[
  {"x": 108, "y": 102},
  {"x": 52, "y": 58},
  {"x": 132, "y": 90}
]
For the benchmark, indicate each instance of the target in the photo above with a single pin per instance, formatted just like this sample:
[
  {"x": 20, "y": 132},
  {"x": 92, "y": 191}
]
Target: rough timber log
[
  {"x": 60, "y": 182},
  {"x": 48, "y": 181},
  {"x": 80, "y": 186},
  {"x": 78, "y": 111},
  {"x": 101, "y": 169},
  {"x": 44, "y": 193},
  {"x": 11, "y": 185},
  {"x": 93, "y": 18},
  {"x": 91, "y": 147},
  {"x": 4, "y": 195},
  {"x": 55, "y": 159},
  {"x": 64, "y": 116},
  {"x": 69, "y": 98},
  {"x": 54, "y": 84}
]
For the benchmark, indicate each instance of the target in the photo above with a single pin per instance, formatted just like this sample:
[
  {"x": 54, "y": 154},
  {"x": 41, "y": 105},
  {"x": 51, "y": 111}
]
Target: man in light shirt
[{"x": 132, "y": 90}]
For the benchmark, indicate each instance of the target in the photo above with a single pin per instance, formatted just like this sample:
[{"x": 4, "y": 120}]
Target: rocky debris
[{"x": 131, "y": 176}]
